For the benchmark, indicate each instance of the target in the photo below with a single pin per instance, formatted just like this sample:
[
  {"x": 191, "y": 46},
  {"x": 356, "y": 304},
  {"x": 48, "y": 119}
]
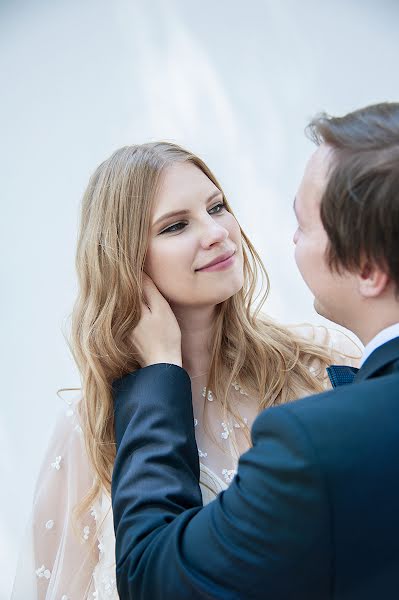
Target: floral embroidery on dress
[
  {"x": 210, "y": 396},
  {"x": 109, "y": 584},
  {"x": 57, "y": 463},
  {"x": 238, "y": 388},
  {"x": 93, "y": 513},
  {"x": 86, "y": 531},
  {"x": 49, "y": 524},
  {"x": 228, "y": 474},
  {"x": 238, "y": 426},
  {"x": 226, "y": 431},
  {"x": 228, "y": 428},
  {"x": 43, "y": 572}
]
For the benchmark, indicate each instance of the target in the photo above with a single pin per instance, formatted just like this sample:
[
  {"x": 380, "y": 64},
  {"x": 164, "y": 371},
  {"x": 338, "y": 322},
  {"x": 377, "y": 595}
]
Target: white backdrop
[{"x": 235, "y": 82}]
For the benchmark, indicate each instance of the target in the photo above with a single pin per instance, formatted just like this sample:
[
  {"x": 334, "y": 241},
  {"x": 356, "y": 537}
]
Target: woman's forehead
[{"x": 182, "y": 184}]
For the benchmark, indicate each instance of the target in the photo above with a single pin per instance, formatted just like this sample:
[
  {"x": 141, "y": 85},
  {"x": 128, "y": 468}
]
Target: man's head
[{"x": 347, "y": 206}]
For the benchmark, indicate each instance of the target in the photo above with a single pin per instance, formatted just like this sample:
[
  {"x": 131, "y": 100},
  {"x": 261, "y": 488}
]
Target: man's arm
[{"x": 266, "y": 536}]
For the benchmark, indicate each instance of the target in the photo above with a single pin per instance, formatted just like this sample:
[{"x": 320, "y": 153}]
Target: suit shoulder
[{"x": 343, "y": 408}]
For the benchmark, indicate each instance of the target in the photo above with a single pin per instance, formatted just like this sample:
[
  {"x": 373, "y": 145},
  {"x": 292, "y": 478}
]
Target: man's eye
[
  {"x": 176, "y": 227},
  {"x": 217, "y": 208}
]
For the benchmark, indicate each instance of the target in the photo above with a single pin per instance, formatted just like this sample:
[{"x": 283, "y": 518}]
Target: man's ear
[{"x": 372, "y": 281}]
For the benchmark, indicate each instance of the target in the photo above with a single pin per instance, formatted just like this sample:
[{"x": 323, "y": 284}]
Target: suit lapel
[{"x": 384, "y": 360}]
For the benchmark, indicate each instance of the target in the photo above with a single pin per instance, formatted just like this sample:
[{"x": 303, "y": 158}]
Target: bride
[{"x": 158, "y": 209}]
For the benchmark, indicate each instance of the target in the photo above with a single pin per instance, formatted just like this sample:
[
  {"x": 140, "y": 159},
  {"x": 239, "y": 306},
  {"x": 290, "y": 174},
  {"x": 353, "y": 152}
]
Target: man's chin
[
  {"x": 320, "y": 309},
  {"x": 326, "y": 314}
]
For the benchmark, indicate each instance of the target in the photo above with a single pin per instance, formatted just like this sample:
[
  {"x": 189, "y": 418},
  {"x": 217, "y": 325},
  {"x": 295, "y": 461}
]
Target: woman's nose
[{"x": 213, "y": 233}]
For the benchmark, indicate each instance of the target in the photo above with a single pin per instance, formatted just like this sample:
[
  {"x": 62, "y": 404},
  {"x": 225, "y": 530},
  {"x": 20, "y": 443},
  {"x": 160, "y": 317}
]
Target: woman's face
[{"x": 190, "y": 228}]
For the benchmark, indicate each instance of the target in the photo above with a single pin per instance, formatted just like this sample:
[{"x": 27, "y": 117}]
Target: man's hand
[{"x": 157, "y": 336}]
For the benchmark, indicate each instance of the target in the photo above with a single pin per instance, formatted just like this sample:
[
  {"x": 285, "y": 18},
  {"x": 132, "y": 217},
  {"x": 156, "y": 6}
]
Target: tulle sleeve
[
  {"x": 59, "y": 553},
  {"x": 342, "y": 348},
  {"x": 345, "y": 350}
]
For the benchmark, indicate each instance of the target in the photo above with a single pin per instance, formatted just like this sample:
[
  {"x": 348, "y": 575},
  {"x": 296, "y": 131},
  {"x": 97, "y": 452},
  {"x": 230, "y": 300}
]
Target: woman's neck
[{"x": 196, "y": 335}]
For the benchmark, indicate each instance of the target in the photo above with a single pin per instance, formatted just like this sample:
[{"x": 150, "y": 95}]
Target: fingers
[
  {"x": 152, "y": 296},
  {"x": 157, "y": 335}
]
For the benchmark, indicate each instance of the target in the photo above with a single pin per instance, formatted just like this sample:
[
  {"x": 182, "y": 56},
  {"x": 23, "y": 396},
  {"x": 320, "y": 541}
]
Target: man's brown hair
[{"x": 360, "y": 206}]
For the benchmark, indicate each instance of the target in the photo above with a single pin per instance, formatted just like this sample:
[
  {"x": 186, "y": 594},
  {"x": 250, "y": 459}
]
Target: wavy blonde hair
[{"x": 266, "y": 358}]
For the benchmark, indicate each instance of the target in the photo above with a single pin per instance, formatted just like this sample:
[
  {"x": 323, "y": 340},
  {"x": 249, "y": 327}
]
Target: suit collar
[
  {"x": 386, "y": 334},
  {"x": 380, "y": 360}
]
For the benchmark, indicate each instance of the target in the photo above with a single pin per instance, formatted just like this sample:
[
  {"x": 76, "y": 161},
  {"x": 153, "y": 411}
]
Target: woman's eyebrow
[
  {"x": 184, "y": 212},
  {"x": 175, "y": 213}
]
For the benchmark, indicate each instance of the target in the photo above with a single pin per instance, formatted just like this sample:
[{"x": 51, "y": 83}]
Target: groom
[{"x": 313, "y": 512}]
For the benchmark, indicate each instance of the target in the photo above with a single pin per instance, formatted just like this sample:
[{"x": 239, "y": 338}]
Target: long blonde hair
[{"x": 264, "y": 357}]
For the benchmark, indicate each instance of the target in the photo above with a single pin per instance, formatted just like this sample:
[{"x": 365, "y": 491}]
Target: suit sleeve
[{"x": 256, "y": 540}]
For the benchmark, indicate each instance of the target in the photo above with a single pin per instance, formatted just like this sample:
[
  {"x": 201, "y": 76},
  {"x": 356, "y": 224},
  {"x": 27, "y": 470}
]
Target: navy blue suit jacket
[{"x": 313, "y": 512}]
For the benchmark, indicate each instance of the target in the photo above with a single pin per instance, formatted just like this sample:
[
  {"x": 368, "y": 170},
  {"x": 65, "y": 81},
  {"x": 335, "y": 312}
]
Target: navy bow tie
[{"x": 341, "y": 374}]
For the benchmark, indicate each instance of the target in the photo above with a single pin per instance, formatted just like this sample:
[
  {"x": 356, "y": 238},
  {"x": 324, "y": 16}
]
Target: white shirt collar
[{"x": 387, "y": 334}]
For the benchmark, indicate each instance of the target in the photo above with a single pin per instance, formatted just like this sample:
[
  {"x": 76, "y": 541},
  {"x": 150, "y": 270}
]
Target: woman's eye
[
  {"x": 217, "y": 208},
  {"x": 173, "y": 228}
]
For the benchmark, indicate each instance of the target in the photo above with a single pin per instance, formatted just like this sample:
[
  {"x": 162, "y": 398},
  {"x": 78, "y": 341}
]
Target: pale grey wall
[{"x": 234, "y": 82}]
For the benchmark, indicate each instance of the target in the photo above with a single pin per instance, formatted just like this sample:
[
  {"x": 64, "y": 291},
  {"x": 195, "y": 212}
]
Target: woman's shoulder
[
  {"x": 67, "y": 429},
  {"x": 65, "y": 449}
]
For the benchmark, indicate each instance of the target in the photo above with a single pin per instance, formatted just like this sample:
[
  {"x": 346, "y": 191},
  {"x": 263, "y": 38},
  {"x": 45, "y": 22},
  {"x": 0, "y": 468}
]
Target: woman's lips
[{"x": 220, "y": 266}]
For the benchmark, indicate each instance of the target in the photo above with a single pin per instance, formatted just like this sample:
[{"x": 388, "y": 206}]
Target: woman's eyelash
[
  {"x": 219, "y": 204},
  {"x": 172, "y": 228}
]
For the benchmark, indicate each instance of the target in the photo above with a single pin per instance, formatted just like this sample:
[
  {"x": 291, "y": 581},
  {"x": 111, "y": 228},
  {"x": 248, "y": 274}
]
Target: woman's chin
[
  {"x": 207, "y": 294},
  {"x": 202, "y": 301},
  {"x": 217, "y": 296}
]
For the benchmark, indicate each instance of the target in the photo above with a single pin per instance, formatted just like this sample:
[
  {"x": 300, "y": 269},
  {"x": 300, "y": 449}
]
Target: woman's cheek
[
  {"x": 233, "y": 227},
  {"x": 163, "y": 268},
  {"x": 153, "y": 266}
]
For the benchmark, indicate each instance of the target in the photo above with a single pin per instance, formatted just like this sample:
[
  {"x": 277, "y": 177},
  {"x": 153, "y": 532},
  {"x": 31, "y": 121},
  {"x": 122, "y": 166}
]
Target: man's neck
[
  {"x": 369, "y": 328},
  {"x": 373, "y": 315}
]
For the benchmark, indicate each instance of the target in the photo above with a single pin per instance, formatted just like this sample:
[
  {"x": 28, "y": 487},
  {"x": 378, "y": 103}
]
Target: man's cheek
[{"x": 298, "y": 255}]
